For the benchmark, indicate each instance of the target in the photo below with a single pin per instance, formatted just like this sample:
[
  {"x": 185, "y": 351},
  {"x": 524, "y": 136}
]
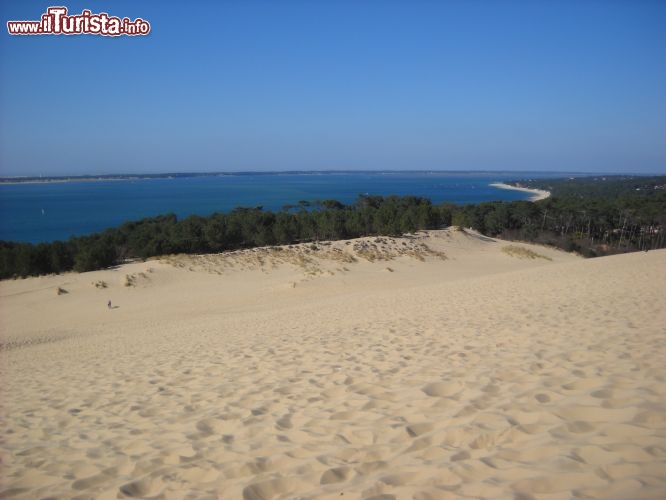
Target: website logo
[{"x": 56, "y": 21}]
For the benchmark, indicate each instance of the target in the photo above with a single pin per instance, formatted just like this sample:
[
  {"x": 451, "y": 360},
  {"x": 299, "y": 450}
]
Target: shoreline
[
  {"x": 63, "y": 181},
  {"x": 13, "y": 180},
  {"x": 537, "y": 194}
]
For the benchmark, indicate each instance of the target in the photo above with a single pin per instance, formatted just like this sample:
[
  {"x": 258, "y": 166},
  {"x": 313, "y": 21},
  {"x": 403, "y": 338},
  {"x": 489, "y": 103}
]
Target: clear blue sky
[{"x": 308, "y": 85}]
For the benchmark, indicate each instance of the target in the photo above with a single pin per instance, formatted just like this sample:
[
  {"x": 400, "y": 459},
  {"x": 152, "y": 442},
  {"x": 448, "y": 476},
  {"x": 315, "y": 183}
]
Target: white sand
[
  {"x": 537, "y": 194},
  {"x": 295, "y": 373}
]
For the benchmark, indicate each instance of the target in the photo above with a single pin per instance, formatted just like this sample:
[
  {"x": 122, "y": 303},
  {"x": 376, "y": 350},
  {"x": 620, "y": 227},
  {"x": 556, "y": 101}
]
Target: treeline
[
  {"x": 620, "y": 215},
  {"x": 241, "y": 228},
  {"x": 612, "y": 186},
  {"x": 592, "y": 226}
]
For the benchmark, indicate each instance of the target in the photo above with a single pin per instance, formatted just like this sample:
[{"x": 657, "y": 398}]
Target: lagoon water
[{"x": 49, "y": 211}]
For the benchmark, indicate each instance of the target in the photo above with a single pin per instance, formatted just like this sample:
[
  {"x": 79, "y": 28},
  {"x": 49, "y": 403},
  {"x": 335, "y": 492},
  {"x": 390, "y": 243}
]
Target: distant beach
[{"x": 537, "y": 194}]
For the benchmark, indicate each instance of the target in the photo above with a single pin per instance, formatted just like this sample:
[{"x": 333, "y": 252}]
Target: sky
[{"x": 339, "y": 85}]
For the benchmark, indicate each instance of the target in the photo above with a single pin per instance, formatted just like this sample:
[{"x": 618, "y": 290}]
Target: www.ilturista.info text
[{"x": 56, "y": 22}]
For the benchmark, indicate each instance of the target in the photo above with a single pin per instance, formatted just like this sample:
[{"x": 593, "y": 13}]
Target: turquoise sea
[{"x": 39, "y": 212}]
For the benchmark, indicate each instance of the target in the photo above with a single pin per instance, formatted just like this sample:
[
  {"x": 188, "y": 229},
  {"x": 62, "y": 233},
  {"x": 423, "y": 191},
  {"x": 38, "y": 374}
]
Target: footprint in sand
[
  {"x": 142, "y": 488},
  {"x": 335, "y": 475},
  {"x": 443, "y": 389}
]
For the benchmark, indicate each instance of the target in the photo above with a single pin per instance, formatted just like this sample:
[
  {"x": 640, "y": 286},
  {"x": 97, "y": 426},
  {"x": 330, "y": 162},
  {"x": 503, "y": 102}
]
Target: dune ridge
[{"x": 312, "y": 371}]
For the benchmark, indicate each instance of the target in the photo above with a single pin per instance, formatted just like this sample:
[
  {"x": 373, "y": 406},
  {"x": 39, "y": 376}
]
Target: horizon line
[{"x": 327, "y": 171}]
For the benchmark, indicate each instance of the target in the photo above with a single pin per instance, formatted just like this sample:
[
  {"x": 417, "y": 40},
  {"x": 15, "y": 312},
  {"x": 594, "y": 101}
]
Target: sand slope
[{"x": 438, "y": 366}]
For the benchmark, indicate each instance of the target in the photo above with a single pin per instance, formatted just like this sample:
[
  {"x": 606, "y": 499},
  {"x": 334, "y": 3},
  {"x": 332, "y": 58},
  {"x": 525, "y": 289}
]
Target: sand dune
[{"x": 441, "y": 365}]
